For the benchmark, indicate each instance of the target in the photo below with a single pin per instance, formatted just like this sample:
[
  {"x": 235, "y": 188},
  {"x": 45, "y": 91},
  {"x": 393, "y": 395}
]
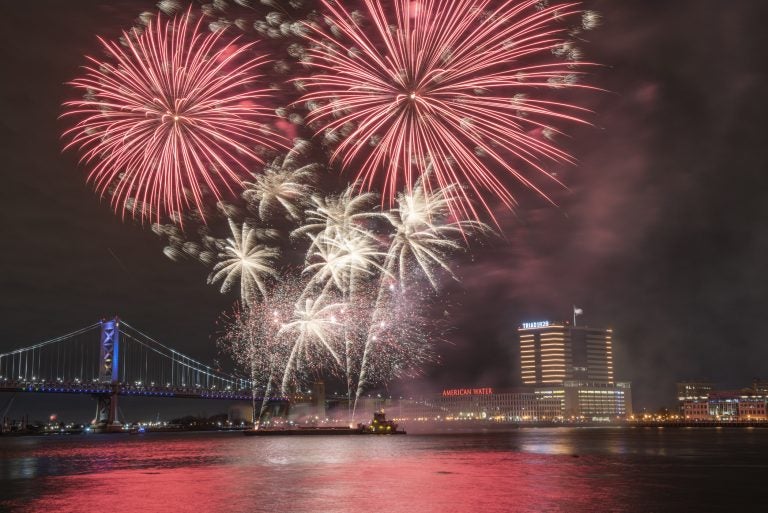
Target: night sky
[{"x": 662, "y": 234}]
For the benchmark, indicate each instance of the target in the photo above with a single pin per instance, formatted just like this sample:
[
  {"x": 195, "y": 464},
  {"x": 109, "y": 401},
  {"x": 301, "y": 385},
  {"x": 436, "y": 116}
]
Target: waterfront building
[
  {"x": 553, "y": 352},
  {"x": 753, "y": 408},
  {"x": 689, "y": 390},
  {"x": 591, "y": 400},
  {"x": 760, "y": 387},
  {"x": 724, "y": 405},
  {"x": 695, "y": 409},
  {"x": 575, "y": 400},
  {"x": 573, "y": 364},
  {"x": 480, "y": 404},
  {"x": 597, "y": 400},
  {"x": 748, "y": 404}
]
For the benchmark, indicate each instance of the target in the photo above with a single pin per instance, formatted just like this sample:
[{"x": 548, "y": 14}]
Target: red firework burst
[
  {"x": 171, "y": 114},
  {"x": 460, "y": 87}
]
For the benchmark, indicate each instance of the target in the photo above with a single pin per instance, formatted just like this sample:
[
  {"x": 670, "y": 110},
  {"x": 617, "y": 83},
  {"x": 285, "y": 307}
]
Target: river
[{"x": 569, "y": 470}]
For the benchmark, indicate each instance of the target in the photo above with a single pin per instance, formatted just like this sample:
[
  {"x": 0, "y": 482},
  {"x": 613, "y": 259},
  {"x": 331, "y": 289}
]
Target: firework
[
  {"x": 337, "y": 215},
  {"x": 314, "y": 326},
  {"x": 243, "y": 258},
  {"x": 461, "y": 88},
  {"x": 285, "y": 185},
  {"x": 424, "y": 235},
  {"x": 251, "y": 338},
  {"x": 342, "y": 260},
  {"x": 170, "y": 116},
  {"x": 353, "y": 309},
  {"x": 398, "y": 339}
]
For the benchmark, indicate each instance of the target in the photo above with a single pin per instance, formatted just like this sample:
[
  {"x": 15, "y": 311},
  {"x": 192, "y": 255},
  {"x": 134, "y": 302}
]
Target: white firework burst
[
  {"x": 314, "y": 325},
  {"x": 244, "y": 259},
  {"x": 284, "y": 186},
  {"x": 335, "y": 216},
  {"x": 424, "y": 237}
]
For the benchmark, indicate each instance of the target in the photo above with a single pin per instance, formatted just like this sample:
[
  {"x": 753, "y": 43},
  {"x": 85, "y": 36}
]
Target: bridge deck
[{"x": 131, "y": 390}]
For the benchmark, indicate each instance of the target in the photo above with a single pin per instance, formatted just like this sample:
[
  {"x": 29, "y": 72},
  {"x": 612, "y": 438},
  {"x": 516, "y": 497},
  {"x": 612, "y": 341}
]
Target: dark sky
[{"x": 662, "y": 234}]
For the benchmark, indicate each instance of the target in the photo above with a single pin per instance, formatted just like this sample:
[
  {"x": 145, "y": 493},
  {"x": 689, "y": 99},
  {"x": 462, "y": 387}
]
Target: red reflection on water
[
  {"x": 321, "y": 475},
  {"x": 149, "y": 490}
]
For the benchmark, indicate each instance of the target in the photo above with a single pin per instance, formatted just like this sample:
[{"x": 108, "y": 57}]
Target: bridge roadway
[{"x": 128, "y": 390}]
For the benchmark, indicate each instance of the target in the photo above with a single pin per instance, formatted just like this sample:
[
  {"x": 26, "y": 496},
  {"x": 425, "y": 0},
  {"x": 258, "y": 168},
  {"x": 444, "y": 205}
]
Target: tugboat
[{"x": 380, "y": 426}]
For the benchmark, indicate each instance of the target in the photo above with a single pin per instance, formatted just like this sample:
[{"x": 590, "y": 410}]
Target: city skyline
[{"x": 678, "y": 279}]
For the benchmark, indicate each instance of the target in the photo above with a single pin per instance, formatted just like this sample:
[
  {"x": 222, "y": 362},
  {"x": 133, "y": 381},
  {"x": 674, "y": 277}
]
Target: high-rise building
[
  {"x": 554, "y": 352},
  {"x": 573, "y": 364}
]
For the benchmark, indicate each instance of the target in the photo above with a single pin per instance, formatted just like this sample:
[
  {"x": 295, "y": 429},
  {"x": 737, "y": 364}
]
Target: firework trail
[
  {"x": 343, "y": 254},
  {"x": 172, "y": 115},
  {"x": 422, "y": 241},
  {"x": 400, "y": 336},
  {"x": 346, "y": 261},
  {"x": 314, "y": 326},
  {"x": 461, "y": 88},
  {"x": 243, "y": 258},
  {"x": 250, "y": 337}
]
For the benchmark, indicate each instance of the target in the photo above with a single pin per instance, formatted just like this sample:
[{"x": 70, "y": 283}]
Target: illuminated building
[
  {"x": 702, "y": 403},
  {"x": 597, "y": 400},
  {"x": 480, "y": 404},
  {"x": 760, "y": 387},
  {"x": 590, "y": 400},
  {"x": 690, "y": 390},
  {"x": 553, "y": 352},
  {"x": 724, "y": 405},
  {"x": 573, "y": 365},
  {"x": 753, "y": 408},
  {"x": 575, "y": 400},
  {"x": 695, "y": 409}
]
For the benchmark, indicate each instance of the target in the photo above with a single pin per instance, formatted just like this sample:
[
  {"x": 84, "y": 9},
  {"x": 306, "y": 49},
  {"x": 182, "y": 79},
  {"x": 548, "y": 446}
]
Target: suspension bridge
[{"x": 111, "y": 358}]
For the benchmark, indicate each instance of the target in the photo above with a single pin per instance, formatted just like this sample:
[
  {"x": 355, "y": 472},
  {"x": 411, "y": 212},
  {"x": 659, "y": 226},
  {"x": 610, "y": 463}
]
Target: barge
[{"x": 379, "y": 426}]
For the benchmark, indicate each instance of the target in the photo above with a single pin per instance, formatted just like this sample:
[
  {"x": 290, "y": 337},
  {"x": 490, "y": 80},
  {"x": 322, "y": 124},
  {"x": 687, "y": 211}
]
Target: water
[{"x": 565, "y": 470}]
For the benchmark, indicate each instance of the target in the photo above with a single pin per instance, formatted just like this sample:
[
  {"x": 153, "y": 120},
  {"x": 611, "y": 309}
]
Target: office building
[
  {"x": 554, "y": 352},
  {"x": 590, "y": 400},
  {"x": 573, "y": 364},
  {"x": 690, "y": 390}
]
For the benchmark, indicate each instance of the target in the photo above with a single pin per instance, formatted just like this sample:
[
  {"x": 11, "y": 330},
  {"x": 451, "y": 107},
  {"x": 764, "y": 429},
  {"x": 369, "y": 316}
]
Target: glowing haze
[{"x": 170, "y": 116}]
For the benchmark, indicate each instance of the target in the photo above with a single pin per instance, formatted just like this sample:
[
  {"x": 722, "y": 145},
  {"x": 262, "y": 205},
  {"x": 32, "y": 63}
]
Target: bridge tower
[{"x": 106, "y": 408}]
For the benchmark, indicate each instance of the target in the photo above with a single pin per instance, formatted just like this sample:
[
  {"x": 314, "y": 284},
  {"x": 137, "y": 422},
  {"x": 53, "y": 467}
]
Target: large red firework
[
  {"x": 459, "y": 88},
  {"x": 172, "y": 113}
]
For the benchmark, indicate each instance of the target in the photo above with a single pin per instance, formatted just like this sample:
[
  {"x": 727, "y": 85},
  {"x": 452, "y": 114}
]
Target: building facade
[
  {"x": 479, "y": 404},
  {"x": 573, "y": 364},
  {"x": 591, "y": 400},
  {"x": 691, "y": 390},
  {"x": 723, "y": 405},
  {"x": 574, "y": 401},
  {"x": 695, "y": 409},
  {"x": 554, "y": 352}
]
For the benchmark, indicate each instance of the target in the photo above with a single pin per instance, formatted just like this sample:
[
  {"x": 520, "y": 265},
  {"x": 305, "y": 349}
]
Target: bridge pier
[
  {"x": 106, "y": 420},
  {"x": 106, "y": 408}
]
